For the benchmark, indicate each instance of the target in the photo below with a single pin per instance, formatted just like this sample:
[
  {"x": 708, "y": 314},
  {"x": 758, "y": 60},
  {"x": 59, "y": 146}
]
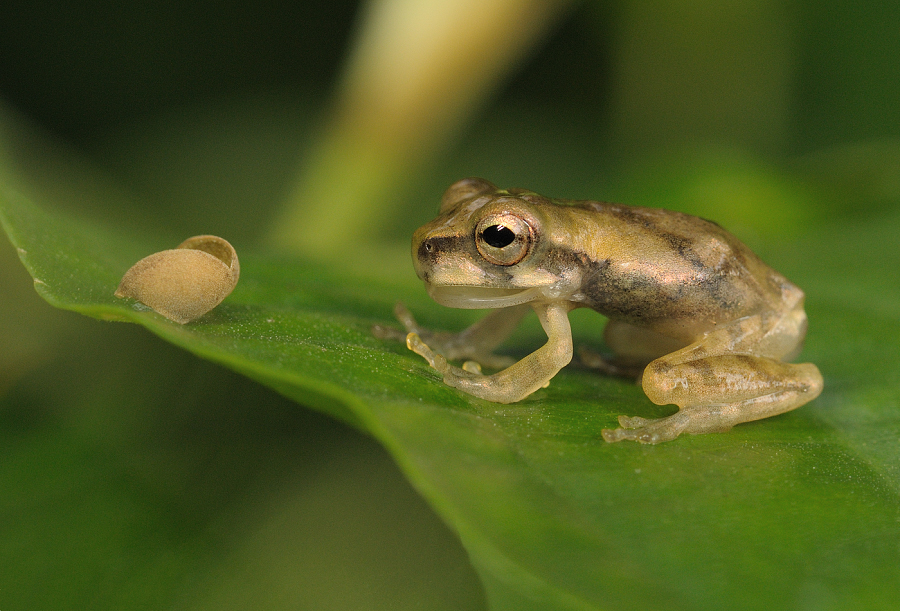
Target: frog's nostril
[{"x": 427, "y": 249}]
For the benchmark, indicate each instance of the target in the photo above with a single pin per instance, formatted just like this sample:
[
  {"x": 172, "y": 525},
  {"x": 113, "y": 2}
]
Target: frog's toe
[
  {"x": 634, "y": 422},
  {"x": 644, "y": 430},
  {"x": 415, "y": 343},
  {"x": 472, "y": 367},
  {"x": 640, "y": 435}
]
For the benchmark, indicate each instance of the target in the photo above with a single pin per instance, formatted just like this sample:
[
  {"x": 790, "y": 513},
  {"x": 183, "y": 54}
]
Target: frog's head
[{"x": 480, "y": 251}]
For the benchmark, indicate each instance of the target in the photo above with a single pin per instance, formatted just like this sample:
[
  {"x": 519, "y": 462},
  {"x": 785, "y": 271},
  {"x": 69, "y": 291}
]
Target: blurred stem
[{"x": 418, "y": 70}]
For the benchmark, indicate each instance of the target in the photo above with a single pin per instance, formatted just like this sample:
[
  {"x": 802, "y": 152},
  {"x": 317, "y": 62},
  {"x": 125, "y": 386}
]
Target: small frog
[{"x": 693, "y": 313}]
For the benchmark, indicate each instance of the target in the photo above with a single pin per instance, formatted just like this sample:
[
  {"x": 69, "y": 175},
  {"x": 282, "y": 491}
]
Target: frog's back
[{"x": 652, "y": 264}]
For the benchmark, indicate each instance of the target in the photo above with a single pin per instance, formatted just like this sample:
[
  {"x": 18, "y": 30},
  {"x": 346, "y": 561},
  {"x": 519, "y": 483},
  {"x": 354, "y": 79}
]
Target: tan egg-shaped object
[{"x": 186, "y": 282}]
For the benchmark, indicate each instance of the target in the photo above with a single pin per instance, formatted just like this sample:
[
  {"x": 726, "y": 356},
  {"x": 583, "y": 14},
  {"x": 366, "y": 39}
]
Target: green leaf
[{"x": 794, "y": 512}]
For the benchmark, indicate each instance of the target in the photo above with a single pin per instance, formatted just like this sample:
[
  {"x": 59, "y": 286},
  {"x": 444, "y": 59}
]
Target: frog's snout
[
  {"x": 429, "y": 252},
  {"x": 425, "y": 253}
]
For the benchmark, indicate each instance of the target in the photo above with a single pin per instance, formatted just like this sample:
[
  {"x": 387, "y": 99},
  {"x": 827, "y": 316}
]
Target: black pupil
[{"x": 498, "y": 236}]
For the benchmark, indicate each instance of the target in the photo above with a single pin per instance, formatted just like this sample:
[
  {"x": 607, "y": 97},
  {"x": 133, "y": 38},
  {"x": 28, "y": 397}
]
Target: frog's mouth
[{"x": 479, "y": 298}]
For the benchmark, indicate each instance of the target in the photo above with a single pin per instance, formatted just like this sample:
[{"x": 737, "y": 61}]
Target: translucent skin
[{"x": 691, "y": 309}]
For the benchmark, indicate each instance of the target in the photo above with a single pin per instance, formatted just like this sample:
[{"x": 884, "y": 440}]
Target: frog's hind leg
[
  {"x": 731, "y": 375},
  {"x": 716, "y": 393}
]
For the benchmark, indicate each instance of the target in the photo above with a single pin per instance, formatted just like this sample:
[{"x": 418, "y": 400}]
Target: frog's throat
[{"x": 479, "y": 298}]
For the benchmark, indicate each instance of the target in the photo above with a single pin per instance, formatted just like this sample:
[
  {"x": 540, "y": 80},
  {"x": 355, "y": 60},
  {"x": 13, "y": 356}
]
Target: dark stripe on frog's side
[
  {"x": 606, "y": 292},
  {"x": 641, "y": 297},
  {"x": 646, "y": 293},
  {"x": 636, "y": 297}
]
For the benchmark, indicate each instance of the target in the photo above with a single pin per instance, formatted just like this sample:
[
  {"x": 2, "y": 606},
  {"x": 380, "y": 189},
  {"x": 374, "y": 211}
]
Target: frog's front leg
[
  {"x": 524, "y": 377},
  {"x": 475, "y": 343},
  {"x": 714, "y": 393}
]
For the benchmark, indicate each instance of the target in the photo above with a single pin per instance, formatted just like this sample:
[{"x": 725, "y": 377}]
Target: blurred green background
[{"x": 135, "y": 476}]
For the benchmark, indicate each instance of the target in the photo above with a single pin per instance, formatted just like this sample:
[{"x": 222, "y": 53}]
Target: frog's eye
[
  {"x": 503, "y": 239},
  {"x": 498, "y": 236}
]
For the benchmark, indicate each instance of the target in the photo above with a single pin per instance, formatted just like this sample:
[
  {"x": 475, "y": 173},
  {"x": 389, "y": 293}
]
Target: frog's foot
[
  {"x": 474, "y": 344},
  {"x": 658, "y": 430},
  {"x": 712, "y": 405},
  {"x": 435, "y": 359},
  {"x": 700, "y": 419},
  {"x": 519, "y": 379},
  {"x": 648, "y": 430},
  {"x": 611, "y": 367},
  {"x": 468, "y": 377}
]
